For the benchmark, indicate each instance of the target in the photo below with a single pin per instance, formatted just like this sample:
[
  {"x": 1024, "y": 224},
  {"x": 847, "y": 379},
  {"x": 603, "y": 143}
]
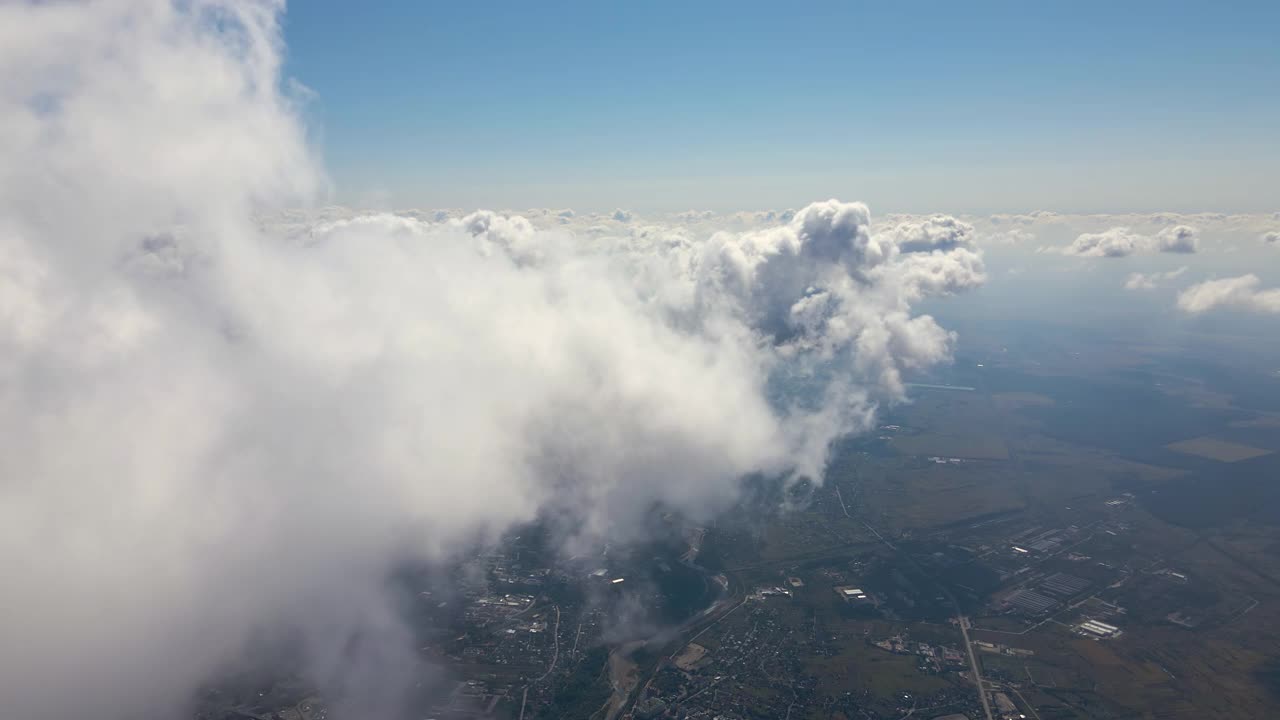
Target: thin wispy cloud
[{"x": 1151, "y": 281}]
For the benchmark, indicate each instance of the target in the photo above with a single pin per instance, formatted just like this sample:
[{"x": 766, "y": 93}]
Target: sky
[{"x": 920, "y": 107}]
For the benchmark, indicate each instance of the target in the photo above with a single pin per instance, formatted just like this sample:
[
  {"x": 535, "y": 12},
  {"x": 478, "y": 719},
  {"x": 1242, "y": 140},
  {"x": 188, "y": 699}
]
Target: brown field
[
  {"x": 690, "y": 656},
  {"x": 910, "y": 493},
  {"x": 1261, "y": 420},
  {"x": 1214, "y": 449},
  {"x": 862, "y": 668}
]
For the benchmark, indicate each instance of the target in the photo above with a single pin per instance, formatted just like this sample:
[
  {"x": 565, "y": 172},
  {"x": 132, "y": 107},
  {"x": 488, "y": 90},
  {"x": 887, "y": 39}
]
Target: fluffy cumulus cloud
[
  {"x": 1178, "y": 239},
  {"x": 1116, "y": 242},
  {"x": 214, "y": 424},
  {"x": 1119, "y": 242},
  {"x": 1241, "y": 293},
  {"x": 824, "y": 282},
  {"x": 1151, "y": 281},
  {"x": 940, "y": 232},
  {"x": 1271, "y": 237}
]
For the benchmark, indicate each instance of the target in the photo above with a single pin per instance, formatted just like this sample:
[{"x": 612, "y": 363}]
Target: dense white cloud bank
[
  {"x": 213, "y": 423},
  {"x": 1241, "y": 293},
  {"x": 1000, "y": 232}
]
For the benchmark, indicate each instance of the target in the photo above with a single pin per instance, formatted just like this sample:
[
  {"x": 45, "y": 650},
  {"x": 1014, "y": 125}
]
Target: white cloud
[
  {"x": 622, "y": 216},
  {"x": 214, "y": 424},
  {"x": 1234, "y": 292},
  {"x": 1164, "y": 218},
  {"x": 1178, "y": 239},
  {"x": 692, "y": 216},
  {"x": 1122, "y": 242},
  {"x": 1151, "y": 281},
  {"x": 824, "y": 283},
  {"x": 1116, "y": 242},
  {"x": 1271, "y": 237},
  {"x": 940, "y": 232},
  {"x": 1009, "y": 236},
  {"x": 1008, "y": 219}
]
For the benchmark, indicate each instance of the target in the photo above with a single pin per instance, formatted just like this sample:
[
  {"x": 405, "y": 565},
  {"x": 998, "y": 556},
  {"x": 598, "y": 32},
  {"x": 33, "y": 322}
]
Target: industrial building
[
  {"x": 1064, "y": 585},
  {"x": 1097, "y": 629},
  {"x": 851, "y": 594},
  {"x": 1031, "y": 602}
]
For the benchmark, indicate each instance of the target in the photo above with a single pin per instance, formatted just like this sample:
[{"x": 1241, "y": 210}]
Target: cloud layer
[{"x": 215, "y": 423}]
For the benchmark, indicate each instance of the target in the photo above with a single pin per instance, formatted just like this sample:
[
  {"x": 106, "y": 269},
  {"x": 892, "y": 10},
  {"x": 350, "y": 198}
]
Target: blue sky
[{"x": 1084, "y": 107}]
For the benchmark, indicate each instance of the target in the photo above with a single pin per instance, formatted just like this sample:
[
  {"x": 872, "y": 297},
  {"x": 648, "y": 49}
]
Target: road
[
  {"x": 865, "y": 524},
  {"x": 554, "y": 657},
  {"x": 960, "y": 618},
  {"x": 840, "y": 497},
  {"x": 973, "y": 665},
  {"x": 1028, "y": 705}
]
